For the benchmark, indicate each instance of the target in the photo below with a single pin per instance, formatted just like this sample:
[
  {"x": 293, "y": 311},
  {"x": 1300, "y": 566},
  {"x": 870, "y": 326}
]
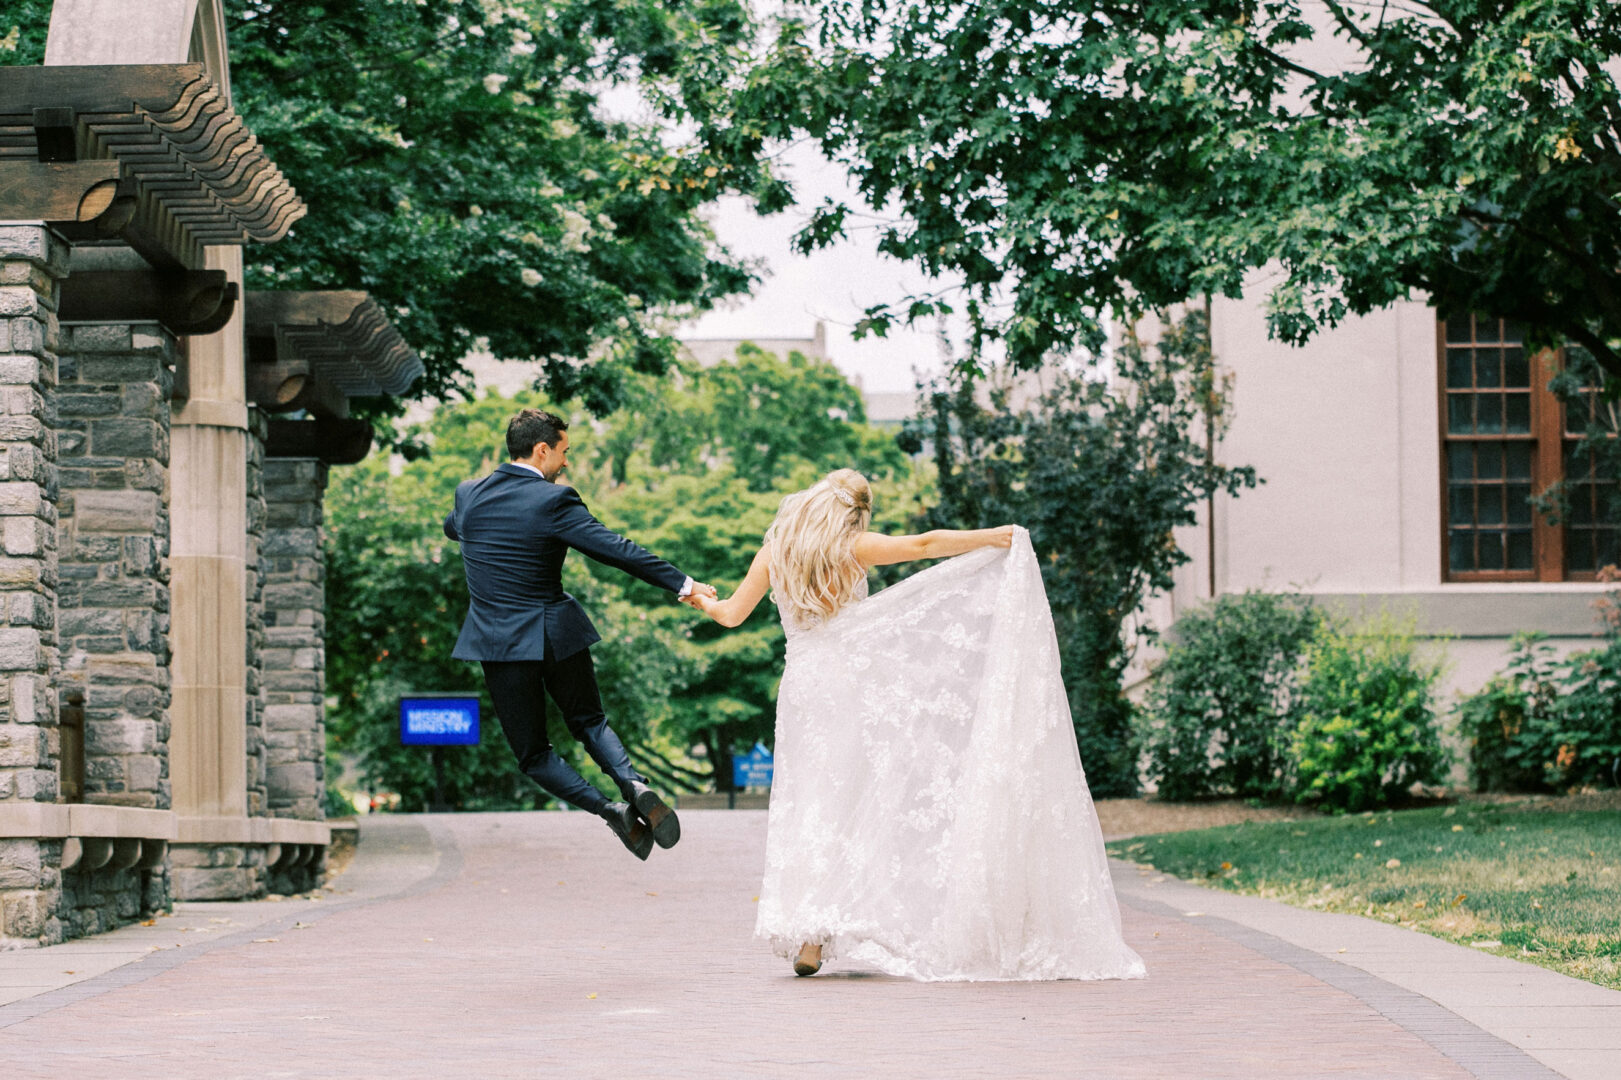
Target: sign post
[
  {"x": 436, "y": 720},
  {"x": 752, "y": 769}
]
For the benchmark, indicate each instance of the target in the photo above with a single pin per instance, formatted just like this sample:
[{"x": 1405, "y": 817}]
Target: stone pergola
[{"x": 162, "y": 459}]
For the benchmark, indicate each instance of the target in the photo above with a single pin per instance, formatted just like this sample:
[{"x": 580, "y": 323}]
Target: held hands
[
  {"x": 713, "y": 608},
  {"x": 700, "y": 593}
]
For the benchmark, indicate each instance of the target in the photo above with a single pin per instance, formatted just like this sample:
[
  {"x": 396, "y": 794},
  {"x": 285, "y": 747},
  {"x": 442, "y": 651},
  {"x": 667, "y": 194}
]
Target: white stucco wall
[{"x": 1345, "y": 434}]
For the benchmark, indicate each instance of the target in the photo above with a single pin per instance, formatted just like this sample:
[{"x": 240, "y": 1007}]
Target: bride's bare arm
[
  {"x": 876, "y": 549},
  {"x": 737, "y": 607}
]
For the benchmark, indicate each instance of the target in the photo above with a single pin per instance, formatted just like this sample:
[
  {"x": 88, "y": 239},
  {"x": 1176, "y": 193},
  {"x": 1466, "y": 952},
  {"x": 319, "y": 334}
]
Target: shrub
[
  {"x": 1219, "y": 718},
  {"x": 1498, "y": 722},
  {"x": 1578, "y": 743},
  {"x": 1367, "y": 730},
  {"x": 1547, "y": 724}
]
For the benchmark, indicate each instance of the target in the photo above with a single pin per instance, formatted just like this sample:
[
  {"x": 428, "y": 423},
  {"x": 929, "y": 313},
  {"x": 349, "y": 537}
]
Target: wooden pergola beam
[
  {"x": 77, "y": 191},
  {"x": 188, "y": 302},
  {"x": 197, "y": 175},
  {"x": 336, "y": 442}
]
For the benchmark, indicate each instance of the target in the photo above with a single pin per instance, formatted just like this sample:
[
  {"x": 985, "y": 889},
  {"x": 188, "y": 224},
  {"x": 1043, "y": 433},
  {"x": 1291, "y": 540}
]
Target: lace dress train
[{"x": 929, "y": 813}]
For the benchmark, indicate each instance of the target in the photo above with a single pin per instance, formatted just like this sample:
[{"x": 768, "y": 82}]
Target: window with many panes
[{"x": 1505, "y": 438}]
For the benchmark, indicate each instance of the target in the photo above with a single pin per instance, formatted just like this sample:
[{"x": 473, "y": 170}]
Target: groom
[{"x": 515, "y": 526}]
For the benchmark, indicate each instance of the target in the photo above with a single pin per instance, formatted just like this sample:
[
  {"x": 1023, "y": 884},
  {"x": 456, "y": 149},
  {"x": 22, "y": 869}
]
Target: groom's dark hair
[{"x": 530, "y": 427}]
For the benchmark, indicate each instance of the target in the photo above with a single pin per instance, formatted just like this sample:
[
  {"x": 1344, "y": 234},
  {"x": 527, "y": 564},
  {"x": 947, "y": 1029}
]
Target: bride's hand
[
  {"x": 1002, "y": 536},
  {"x": 705, "y": 604}
]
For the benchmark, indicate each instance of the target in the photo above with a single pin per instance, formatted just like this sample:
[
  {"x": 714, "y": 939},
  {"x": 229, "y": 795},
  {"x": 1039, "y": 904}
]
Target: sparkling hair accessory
[{"x": 844, "y": 497}]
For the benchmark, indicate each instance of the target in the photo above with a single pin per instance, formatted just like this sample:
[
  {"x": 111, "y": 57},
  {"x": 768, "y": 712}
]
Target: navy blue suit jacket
[{"x": 515, "y": 527}]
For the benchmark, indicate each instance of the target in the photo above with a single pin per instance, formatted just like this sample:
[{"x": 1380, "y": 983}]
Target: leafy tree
[
  {"x": 1100, "y": 471},
  {"x": 1056, "y": 161},
  {"x": 763, "y": 415},
  {"x": 458, "y": 164}
]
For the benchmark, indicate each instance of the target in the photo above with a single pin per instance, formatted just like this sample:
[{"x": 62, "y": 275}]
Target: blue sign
[
  {"x": 438, "y": 721},
  {"x": 752, "y": 769}
]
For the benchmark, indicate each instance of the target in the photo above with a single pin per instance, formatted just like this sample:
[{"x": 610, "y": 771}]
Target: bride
[{"x": 929, "y": 815}]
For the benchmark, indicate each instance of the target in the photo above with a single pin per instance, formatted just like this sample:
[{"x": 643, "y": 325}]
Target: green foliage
[
  {"x": 22, "y": 31},
  {"x": 776, "y": 413},
  {"x": 1494, "y": 722},
  {"x": 1547, "y": 724},
  {"x": 1053, "y": 162},
  {"x": 1367, "y": 731},
  {"x": 1220, "y": 717},
  {"x": 458, "y": 164},
  {"x": 1100, "y": 472},
  {"x": 764, "y": 415},
  {"x": 1583, "y": 742}
]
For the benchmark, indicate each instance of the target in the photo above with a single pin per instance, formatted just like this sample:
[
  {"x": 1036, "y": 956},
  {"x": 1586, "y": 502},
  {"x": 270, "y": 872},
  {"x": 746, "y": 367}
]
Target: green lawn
[{"x": 1537, "y": 886}]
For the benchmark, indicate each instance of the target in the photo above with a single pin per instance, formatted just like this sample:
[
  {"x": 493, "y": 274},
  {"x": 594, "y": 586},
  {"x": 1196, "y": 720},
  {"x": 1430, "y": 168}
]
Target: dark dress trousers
[{"x": 515, "y": 527}]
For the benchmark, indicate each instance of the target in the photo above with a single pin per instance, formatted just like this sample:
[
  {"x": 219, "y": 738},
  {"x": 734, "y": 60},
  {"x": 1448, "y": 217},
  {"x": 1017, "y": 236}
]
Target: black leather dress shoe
[
  {"x": 657, "y": 813},
  {"x": 629, "y": 828}
]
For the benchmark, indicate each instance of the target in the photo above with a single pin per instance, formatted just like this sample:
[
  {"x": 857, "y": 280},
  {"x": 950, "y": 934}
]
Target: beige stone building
[
  {"x": 1399, "y": 452},
  {"x": 164, "y": 444}
]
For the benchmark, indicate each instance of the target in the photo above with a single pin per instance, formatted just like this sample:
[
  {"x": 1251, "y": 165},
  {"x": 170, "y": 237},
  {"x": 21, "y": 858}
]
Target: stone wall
[
  {"x": 112, "y": 407},
  {"x": 295, "y": 631},
  {"x": 113, "y": 602},
  {"x": 258, "y": 801},
  {"x": 32, "y": 263}
]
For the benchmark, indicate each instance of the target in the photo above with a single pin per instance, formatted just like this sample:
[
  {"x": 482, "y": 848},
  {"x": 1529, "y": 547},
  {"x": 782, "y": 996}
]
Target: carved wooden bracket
[{"x": 313, "y": 351}]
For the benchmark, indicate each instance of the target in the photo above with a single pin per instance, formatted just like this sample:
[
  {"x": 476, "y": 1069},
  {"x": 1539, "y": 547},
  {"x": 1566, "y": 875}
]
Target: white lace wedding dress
[{"x": 929, "y": 815}]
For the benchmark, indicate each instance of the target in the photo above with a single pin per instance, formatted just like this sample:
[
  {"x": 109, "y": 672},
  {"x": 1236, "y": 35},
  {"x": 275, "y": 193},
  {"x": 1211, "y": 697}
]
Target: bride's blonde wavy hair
[{"x": 814, "y": 571}]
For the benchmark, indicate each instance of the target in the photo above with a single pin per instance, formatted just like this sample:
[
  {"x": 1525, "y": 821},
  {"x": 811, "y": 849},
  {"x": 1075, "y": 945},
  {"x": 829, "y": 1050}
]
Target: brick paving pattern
[{"x": 535, "y": 946}]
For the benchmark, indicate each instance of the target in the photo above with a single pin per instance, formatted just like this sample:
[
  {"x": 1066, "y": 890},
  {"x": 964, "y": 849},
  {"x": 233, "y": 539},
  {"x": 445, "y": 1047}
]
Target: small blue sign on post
[
  {"x": 752, "y": 769},
  {"x": 438, "y": 720}
]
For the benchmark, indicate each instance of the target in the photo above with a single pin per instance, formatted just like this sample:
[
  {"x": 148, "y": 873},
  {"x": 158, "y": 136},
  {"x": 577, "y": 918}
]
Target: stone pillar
[
  {"x": 213, "y": 857},
  {"x": 32, "y": 263},
  {"x": 295, "y": 630}
]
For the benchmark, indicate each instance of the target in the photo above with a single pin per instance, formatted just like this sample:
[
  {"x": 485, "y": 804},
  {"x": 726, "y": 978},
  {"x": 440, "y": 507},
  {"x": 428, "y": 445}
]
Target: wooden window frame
[{"x": 1548, "y": 438}]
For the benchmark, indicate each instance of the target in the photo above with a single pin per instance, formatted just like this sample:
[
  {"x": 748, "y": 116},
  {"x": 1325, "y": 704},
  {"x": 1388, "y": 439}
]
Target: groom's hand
[{"x": 699, "y": 589}]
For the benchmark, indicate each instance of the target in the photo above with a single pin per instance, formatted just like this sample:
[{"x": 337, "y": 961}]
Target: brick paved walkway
[{"x": 530, "y": 945}]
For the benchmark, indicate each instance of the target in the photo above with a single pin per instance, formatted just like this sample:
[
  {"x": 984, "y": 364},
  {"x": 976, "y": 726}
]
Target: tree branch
[{"x": 1343, "y": 17}]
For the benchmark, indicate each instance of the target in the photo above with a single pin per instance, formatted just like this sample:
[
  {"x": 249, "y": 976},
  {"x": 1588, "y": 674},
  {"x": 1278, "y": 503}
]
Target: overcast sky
[{"x": 834, "y": 285}]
